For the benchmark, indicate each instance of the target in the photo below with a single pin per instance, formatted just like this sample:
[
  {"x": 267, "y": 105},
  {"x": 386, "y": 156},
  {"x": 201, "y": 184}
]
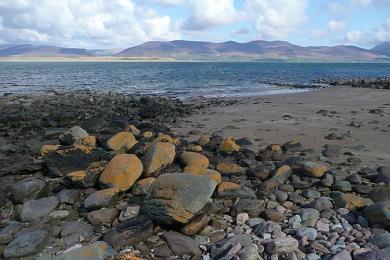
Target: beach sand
[{"x": 364, "y": 113}]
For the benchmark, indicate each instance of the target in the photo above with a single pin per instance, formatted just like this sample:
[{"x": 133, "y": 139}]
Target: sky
[{"x": 118, "y": 24}]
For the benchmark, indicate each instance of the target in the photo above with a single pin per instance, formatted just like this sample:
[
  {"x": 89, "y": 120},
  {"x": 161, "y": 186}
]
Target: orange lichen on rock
[
  {"x": 122, "y": 140},
  {"x": 193, "y": 158},
  {"x": 229, "y": 145},
  {"x": 223, "y": 186},
  {"x": 48, "y": 148}
]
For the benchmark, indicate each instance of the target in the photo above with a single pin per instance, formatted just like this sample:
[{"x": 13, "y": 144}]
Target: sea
[{"x": 179, "y": 79}]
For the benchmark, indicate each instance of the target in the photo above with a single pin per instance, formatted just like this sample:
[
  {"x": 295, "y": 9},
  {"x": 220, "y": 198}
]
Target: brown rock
[
  {"x": 193, "y": 158},
  {"x": 230, "y": 169},
  {"x": 121, "y": 172},
  {"x": 121, "y": 141},
  {"x": 196, "y": 224},
  {"x": 351, "y": 201},
  {"x": 313, "y": 169},
  {"x": 142, "y": 186},
  {"x": 48, "y": 148},
  {"x": 229, "y": 145},
  {"x": 157, "y": 157}
]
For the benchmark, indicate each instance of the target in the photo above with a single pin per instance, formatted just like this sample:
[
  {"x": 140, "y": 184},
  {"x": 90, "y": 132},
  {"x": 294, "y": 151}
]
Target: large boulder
[
  {"x": 378, "y": 214},
  {"x": 157, "y": 157},
  {"x": 176, "y": 197},
  {"x": 122, "y": 172}
]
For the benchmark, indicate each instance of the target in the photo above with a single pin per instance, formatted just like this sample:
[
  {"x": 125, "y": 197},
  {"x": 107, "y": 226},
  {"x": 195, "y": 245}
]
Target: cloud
[
  {"x": 370, "y": 37},
  {"x": 275, "y": 19},
  {"x": 169, "y": 2},
  {"x": 83, "y": 23},
  {"x": 336, "y": 26},
  {"x": 210, "y": 13}
]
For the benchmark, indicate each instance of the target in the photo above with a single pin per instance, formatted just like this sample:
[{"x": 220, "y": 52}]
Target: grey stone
[
  {"x": 101, "y": 198},
  {"x": 384, "y": 174},
  {"x": 8, "y": 232},
  {"x": 29, "y": 188},
  {"x": 378, "y": 213},
  {"x": 181, "y": 244},
  {"x": 332, "y": 150},
  {"x": 343, "y": 255},
  {"x": 310, "y": 233},
  {"x": 343, "y": 186},
  {"x": 72, "y": 135},
  {"x": 74, "y": 232},
  {"x": 381, "y": 254},
  {"x": 320, "y": 204},
  {"x": 309, "y": 216},
  {"x": 251, "y": 206},
  {"x": 177, "y": 197},
  {"x": 35, "y": 209},
  {"x": 27, "y": 244},
  {"x": 69, "y": 196},
  {"x": 220, "y": 248},
  {"x": 381, "y": 240}
]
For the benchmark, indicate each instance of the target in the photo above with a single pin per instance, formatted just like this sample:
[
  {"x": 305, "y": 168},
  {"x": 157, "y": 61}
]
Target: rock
[
  {"x": 203, "y": 140},
  {"x": 157, "y": 157},
  {"x": 351, "y": 201},
  {"x": 229, "y": 145},
  {"x": 220, "y": 248},
  {"x": 384, "y": 174},
  {"x": 74, "y": 232},
  {"x": 29, "y": 188},
  {"x": 8, "y": 232},
  {"x": 313, "y": 169},
  {"x": 233, "y": 190},
  {"x": 309, "y": 233},
  {"x": 35, "y": 209},
  {"x": 332, "y": 150},
  {"x": 69, "y": 196},
  {"x": 196, "y": 224},
  {"x": 27, "y": 244},
  {"x": 285, "y": 245},
  {"x": 142, "y": 186},
  {"x": 229, "y": 169},
  {"x": 282, "y": 174},
  {"x": 378, "y": 213},
  {"x": 72, "y": 135},
  {"x": 59, "y": 214},
  {"x": 309, "y": 216},
  {"x": 267, "y": 187},
  {"x": 129, "y": 232},
  {"x": 193, "y": 158},
  {"x": 94, "y": 124},
  {"x": 242, "y": 218},
  {"x": 292, "y": 146},
  {"x": 100, "y": 216},
  {"x": 129, "y": 212},
  {"x": 87, "y": 178},
  {"x": 320, "y": 204},
  {"x": 266, "y": 227},
  {"x": 343, "y": 186},
  {"x": 121, "y": 172},
  {"x": 196, "y": 170},
  {"x": 343, "y": 255},
  {"x": 380, "y": 193},
  {"x": 381, "y": 254},
  {"x": 48, "y": 148},
  {"x": 63, "y": 162},
  {"x": 121, "y": 141},
  {"x": 99, "y": 250},
  {"x": 176, "y": 197},
  {"x": 251, "y": 206},
  {"x": 250, "y": 252},
  {"x": 381, "y": 240},
  {"x": 181, "y": 244},
  {"x": 101, "y": 198},
  {"x": 311, "y": 194}
]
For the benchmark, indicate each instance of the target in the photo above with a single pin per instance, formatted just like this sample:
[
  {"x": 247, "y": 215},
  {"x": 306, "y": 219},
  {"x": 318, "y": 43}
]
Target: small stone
[
  {"x": 343, "y": 186},
  {"x": 309, "y": 233},
  {"x": 203, "y": 140},
  {"x": 8, "y": 232},
  {"x": 101, "y": 198},
  {"x": 282, "y": 173},
  {"x": 273, "y": 215},
  {"x": 74, "y": 232},
  {"x": 99, "y": 250},
  {"x": 381, "y": 240},
  {"x": 332, "y": 150},
  {"x": 122, "y": 141},
  {"x": 59, "y": 214},
  {"x": 196, "y": 224},
  {"x": 229, "y": 169},
  {"x": 181, "y": 244},
  {"x": 87, "y": 178},
  {"x": 380, "y": 193},
  {"x": 68, "y": 196},
  {"x": 49, "y": 148},
  {"x": 251, "y": 206},
  {"x": 343, "y": 255},
  {"x": 229, "y": 145},
  {"x": 313, "y": 169},
  {"x": 309, "y": 216},
  {"x": 351, "y": 201},
  {"x": 121, "y": 172},
  {"x": 285, "y": 245},
  {"x": 384, "y": 174},
  {"x": 242, "y": 218},
  {"x": 157, "y": 157},
  {"x": 100, "y": 216},
  {"x": 220, "y": 248},
  {"x": 129, "y": 212}
]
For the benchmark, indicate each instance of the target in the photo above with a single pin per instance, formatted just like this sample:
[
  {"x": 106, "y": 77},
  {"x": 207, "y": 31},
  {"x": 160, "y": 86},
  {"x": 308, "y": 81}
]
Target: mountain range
[{"x": 195, "y": 50}]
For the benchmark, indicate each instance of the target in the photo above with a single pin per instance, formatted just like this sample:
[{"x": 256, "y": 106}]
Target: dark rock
[
  {"x": 94, "y": 124},
  {"x": 251, "y": 206},
  {"x": 35, "y": 209},
  {"x": 101, "y": 198},
  {"x": 381, "y": 254},
  {"x": 8, "y": 232},
  {"x": 100, "y": 216},
  {"x": 29, "y": 188},
  {"x": 332, "y": 150},
  {"x": 384, "y": 174},
  {"x": 378, "y": 213},
  {"x": 74, "y": 232},
  {"x": 221, "y": 248},
  {"x": 129, "y": 232},
  {"x": 381, "y": 240},
  {"x": 380, "y": 193},
  {"x": 69, "y": 196},
  {"x": 181, "y": 244},
  {"x": 241, "y": 192},
  {"x": 72, "y": 135}
]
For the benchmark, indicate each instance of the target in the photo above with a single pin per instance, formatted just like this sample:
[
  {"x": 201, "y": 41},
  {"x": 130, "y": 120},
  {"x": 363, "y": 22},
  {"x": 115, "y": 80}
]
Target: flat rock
[
  {"x": 101, "y": 198},
  {"x": 121, "y": 141},
  {"x": 29, "y": 188},
  {"x": 176, "y": 197}
]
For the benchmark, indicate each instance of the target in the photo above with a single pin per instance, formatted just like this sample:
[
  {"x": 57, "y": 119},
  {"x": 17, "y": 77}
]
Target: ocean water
[{"x": 179, "y": 79}]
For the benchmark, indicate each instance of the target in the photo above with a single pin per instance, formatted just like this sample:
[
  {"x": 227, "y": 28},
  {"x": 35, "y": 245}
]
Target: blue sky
[{"x": 124, "y": 23}]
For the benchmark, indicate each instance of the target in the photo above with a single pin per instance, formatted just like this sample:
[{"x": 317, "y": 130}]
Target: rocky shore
[
  {"x": 376, "y": 83},
  {"x": 105, "y": 176}
]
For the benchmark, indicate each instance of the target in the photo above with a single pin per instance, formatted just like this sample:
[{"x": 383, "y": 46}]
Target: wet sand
[{"x": 364, "y": 113}]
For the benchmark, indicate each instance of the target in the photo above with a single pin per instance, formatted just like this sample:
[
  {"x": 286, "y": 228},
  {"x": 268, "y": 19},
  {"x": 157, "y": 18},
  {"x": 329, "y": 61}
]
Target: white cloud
[
  {"x": 210, "y": 13},
  {"x": 370, "y": 37},
  {"x": 169, "y": 2},
  {"x": 275, "y": 19},
  {"x": 336, "y": 26},
  {"x": 84, "y": 23}
]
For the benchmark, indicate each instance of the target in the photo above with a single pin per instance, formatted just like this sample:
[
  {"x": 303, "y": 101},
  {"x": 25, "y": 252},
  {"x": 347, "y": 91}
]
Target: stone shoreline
[{"x": 104, "y": 176}]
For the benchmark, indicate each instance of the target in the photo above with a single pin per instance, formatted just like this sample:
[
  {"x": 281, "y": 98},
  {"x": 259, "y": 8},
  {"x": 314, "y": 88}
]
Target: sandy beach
[{"x": 308, "y": 117}]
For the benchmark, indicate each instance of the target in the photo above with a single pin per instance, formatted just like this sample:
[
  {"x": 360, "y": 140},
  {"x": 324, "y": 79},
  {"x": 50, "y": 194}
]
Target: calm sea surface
[{"x": 179, "y": 79}]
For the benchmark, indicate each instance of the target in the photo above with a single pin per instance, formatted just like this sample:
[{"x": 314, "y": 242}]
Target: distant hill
[
  {"x": 196, "y": 50},
  {"x": 383, "y": 49},
  {"x": 254, "y": 50},
  {"x": 28, "y": 50}
]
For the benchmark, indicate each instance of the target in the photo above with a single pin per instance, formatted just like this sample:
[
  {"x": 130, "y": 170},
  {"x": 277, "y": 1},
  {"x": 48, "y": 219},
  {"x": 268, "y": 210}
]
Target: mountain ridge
[{"x": 258, "y": 50}]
